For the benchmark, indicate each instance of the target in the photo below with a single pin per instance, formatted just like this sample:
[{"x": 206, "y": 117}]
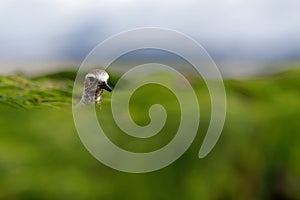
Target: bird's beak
[{"x": 106, "y": 86}]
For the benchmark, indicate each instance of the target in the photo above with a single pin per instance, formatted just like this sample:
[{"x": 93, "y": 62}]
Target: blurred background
[
  {"x": 243, "y": 37},
  {"x": 256, "y": 46}
]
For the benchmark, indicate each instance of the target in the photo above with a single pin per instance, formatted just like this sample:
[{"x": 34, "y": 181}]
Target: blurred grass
[{"x": 41, "y": 156}]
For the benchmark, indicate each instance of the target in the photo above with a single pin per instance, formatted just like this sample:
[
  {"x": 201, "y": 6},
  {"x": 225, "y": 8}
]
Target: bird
[{"x": 94, "y": 83}]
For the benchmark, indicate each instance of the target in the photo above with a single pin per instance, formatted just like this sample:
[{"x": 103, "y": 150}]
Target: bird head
[{"x": 97, "y": 79}]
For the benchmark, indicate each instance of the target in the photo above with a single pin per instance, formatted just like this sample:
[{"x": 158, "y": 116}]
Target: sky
[{"x": 66, "y": 30}]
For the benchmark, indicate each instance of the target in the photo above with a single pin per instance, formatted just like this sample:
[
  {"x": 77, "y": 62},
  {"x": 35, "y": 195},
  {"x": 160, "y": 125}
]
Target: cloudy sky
[{"x": 34, "y": 30}]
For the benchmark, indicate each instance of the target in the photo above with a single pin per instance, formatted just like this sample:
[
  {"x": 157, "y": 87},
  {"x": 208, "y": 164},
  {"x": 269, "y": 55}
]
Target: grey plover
[{"x": 94, "y": 83}]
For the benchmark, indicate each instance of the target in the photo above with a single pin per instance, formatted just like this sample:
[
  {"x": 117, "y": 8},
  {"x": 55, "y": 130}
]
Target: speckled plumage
[{"x": 94, "y": 83}]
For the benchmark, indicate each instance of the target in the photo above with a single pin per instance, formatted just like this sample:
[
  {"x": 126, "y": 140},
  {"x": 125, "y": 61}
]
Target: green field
[{"x": 256, "y": 157}]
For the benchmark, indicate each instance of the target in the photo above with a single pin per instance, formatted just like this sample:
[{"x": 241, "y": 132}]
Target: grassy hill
[{"x": 257, "y": 156}]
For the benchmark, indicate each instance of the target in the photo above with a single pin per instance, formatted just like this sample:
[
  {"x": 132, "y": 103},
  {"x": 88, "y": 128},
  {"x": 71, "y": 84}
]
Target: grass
[{"x": 42, "y": 157}]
